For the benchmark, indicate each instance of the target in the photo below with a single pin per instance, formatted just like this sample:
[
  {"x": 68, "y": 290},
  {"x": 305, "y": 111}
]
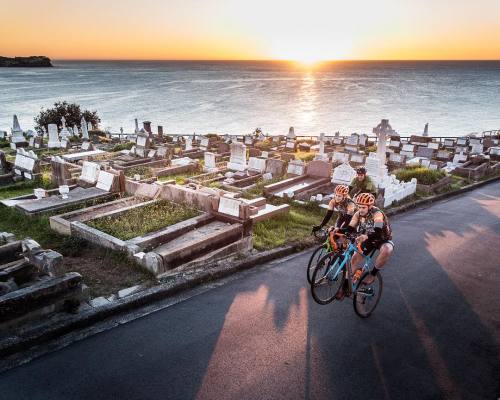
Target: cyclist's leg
[{"x": 385, "y": 251}]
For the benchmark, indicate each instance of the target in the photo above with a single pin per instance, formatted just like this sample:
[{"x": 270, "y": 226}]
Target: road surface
[{"x": 435, "y": 333}]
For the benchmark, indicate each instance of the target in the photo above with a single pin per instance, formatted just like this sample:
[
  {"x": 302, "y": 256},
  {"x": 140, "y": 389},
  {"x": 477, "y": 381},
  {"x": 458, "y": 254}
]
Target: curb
[{"x": 43, "y": 333}]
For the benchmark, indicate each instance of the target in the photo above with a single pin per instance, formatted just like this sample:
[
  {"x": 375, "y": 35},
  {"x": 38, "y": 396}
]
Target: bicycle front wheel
[
  {"x": 367, "y": 297},
  {"x": 324, "y": 285},
  {"x": 317, "y": 255}
]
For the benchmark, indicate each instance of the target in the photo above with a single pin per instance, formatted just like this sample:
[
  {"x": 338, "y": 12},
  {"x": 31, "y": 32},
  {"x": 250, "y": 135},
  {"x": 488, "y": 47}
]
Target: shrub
[
  {"x": 123, "y": 146},
  {"x": 424, "y": 176},
  {"x": 70, "y": 111}
]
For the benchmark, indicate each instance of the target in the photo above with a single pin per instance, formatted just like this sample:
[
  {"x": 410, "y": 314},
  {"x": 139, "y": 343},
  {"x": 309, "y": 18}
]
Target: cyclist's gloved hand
[{"x": 316, "y": 228}]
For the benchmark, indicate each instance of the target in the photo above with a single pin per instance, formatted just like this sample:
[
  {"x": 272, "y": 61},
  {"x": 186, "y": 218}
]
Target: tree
[{"x": 71, "y": 112}]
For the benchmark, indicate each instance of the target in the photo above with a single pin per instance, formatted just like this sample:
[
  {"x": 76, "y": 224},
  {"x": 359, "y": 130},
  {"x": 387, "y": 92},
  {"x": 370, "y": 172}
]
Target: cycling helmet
[
  {"x": 365, "y": 199},
  {"x": 361, "y": 170},
  {"x": 342, "y": 190}
]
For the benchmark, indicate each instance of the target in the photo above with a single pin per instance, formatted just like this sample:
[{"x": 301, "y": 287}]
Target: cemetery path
[{"x": 435, "y": 333}]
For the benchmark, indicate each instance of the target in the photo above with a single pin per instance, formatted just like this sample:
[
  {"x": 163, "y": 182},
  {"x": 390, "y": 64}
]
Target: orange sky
[{"x": 258, "y": 29}]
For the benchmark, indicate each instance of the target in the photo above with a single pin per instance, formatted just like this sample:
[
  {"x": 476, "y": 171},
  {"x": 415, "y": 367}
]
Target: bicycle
[
  {"x": 328, "y": 246},
  {"x": 331, "y": 273}
]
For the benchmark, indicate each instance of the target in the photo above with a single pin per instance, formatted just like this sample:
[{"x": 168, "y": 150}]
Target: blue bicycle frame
[{"x": 346, "y": 257}]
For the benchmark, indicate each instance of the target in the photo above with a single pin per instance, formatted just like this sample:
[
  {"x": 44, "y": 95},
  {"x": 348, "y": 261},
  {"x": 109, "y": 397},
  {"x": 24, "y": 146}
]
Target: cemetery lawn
[
  {"x": 104, "y": 271},
  {"x": 142, "y": 220},
  {"x": 292, "y": 228}
]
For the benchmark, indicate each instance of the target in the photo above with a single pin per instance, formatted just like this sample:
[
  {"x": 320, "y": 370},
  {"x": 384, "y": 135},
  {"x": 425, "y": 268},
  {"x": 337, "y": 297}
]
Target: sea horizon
[{"x": 456, "y": 97}]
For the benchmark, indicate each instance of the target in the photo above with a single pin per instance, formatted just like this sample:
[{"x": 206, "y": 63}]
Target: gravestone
[
  {"x": 54, "y": 142},
  {"x": 105, "y": 181},
  {"x": 352, "y": 140},
  {"x": 477, "y": 148},
  {"x": 238, "y": 157},
  {"x": 296, "y": 167},
  {"x": 319, "y": 168},
  {"x": 210, "y": 162},
  {"x": 449, "y": 142},
  {"x": 160, "y": 131},
  {"x": 162, "y": 152},
  {"x": 433, "y": 145},
  {"x": 425, "y": 152},
  {"x": 338, "y": 140},
  {"x": 363, "y": 140},
  {"x": 229, "y": 206},
  {"x": 181, "y": 161},
  {"x": 189, "y": 144},
  {"x": 90, "y": 172},
  {"x": 257, "y": 164},
  {"x": 461, "y": 142},
  {"x": 85, "y": 131},
  {"x": 204, "y": 143},
  {"x": 87, "y": 146},
  {"x": 340, "y": 157},
  {"x": 291, "y": 133},
  {"x": 459, "y": 158},
  {"x": 26, "y": 164},
  {"x": 275, "y": 167},
  {"x": 17, "y": 132},
  {"x": 343, "y": 174},
  {"x": 382, "y": 130},
  {"x": 396, "y": 158},
  {"x": 443, "y": 155},
  {"x": 65, "y": 133},
  {"x": 358, "y": 158}
]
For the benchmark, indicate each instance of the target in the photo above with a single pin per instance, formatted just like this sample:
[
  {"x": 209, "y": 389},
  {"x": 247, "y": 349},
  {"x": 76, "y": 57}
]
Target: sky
[{"x": 307, "y": 31}]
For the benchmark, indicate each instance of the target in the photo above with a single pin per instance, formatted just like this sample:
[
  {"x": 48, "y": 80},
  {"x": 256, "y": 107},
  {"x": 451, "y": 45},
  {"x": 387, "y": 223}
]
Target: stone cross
[{"x": 382, "y": 130}]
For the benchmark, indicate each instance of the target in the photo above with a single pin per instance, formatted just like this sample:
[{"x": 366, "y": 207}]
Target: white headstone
[
  {"x": 291, "y": 133},
  {"x": 229, "y": 206},
  {"x": 105, "y": 180},
  {"x": 85, "y": 131},
  {"x": 237, "y": 159},
  {"x": 210, "y": 162},
  {"x": 296, "y": 167},
  {"x": 54, "y": 142},
  {"x": 257, "y": 164},
  {"x": 90, "y": 172},
  {"x": 343, "y": 174},
  {"x": 189, "y": 144}
]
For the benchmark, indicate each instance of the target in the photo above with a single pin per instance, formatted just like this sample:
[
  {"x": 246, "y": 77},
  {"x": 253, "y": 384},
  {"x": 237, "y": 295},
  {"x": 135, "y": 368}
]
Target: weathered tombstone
[
  {"x": 160, "y": 131},
  {"x": 229, "y": 206},
  {"x": 147, "y": 126},
  {"x": 275, "y": 167},
  {"x": 358, "y": 158},
  {"x": 204, "y": 142},
  {"x": 75, "y": 131},
  {"x": 319, "y": 168},
  {"x": 343, "y": 174},
  {"x": 296, "y": 167},
  {"x": 210, "y": 162},
  {"x": 162, "y": 152},
  {"x": 462, "y": 142},
  {"x": 189, "y": 144},
  {"x": 85, "y": 131},
  {"x": 340, "y": 157},
  {"x": 257, "y": 164},
  {"x": 291, "y": 133},
  {"x": 181, "y": 161},
  {"x": 363, "y": 139},
  {"x": 449, "y": 142},
  {"x": 87, "y": 146},
  {"x": 105, "y": 181},
  {"x": 459, "y": 158},
  {"x": 425, "y": 152},
  {"x": 265, "y": 154},
  {"x": 382, "y": 130},
  {"x": 353, "y": 140},
  {"x": 65, "y": 133},
  {"x": 54, "y": 142},
  {"x": 433, "y": 145},
  {"x": 237, "y": 159},
  {"x": 477, "y": 148},
  {"x": 90, "y": 172}
]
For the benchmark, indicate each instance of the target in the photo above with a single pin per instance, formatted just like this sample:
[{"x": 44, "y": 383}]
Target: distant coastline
[{"x": 29, "y": 62}]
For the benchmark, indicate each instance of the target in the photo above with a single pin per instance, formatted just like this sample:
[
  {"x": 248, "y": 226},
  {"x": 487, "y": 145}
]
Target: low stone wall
[{"x": 436, "y": 186}]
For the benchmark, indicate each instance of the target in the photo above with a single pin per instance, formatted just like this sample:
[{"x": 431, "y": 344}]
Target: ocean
[{"x": 455, "y": 98}]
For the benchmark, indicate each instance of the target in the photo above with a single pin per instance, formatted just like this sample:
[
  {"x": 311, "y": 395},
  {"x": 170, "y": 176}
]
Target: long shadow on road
[{"x": 434, "y": 335}]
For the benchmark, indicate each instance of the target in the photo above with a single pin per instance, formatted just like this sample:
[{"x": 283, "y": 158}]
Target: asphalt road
[{"x": 434, "y": 335}]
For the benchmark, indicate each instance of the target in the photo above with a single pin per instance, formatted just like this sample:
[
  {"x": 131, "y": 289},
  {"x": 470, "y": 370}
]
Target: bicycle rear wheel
[
  {"x": 324, "y": 286},
  {"x": 317, "y": 255},
  {"x": 367, "y": 297}
]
